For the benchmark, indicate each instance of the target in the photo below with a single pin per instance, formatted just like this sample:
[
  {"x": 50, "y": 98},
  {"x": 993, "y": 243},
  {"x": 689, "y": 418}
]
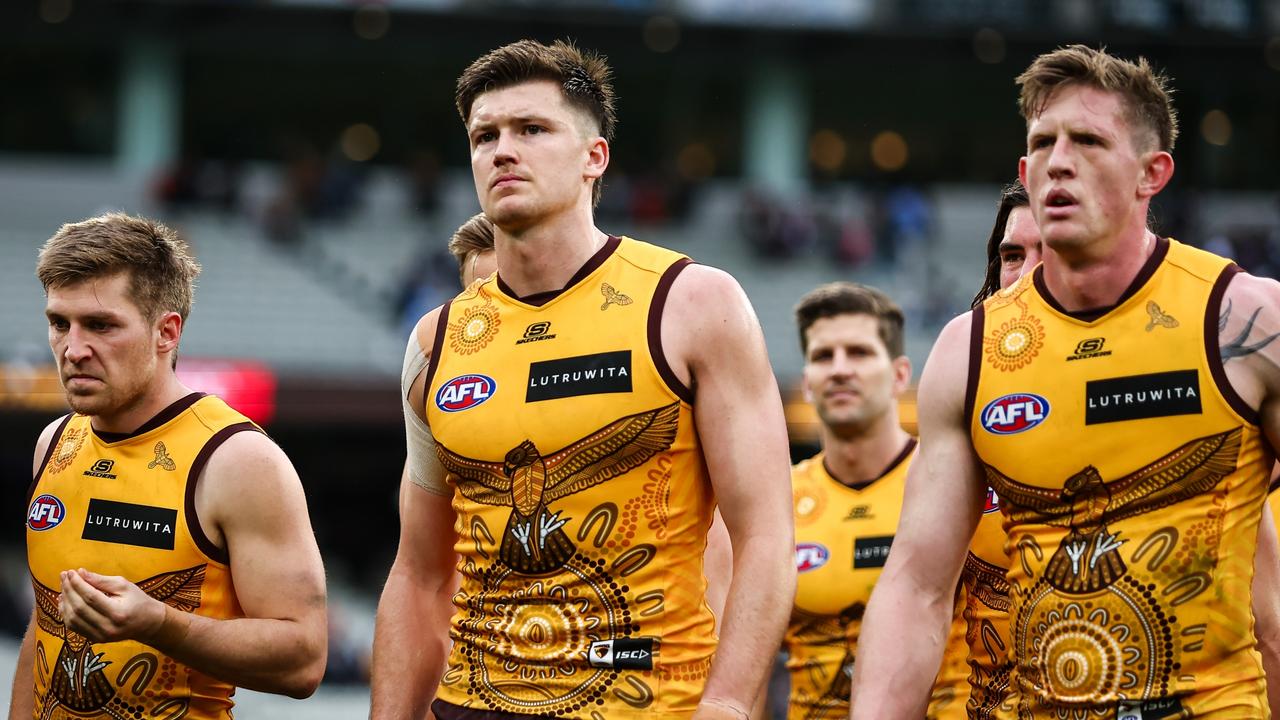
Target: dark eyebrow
[{"x": 1005, "y": 245}]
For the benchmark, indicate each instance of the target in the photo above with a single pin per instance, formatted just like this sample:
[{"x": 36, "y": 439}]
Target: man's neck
[
  {"x": 1096, "y": 277},
  {"x": 544, "y": 257},
  {"x": 860, "y": 459},
  {"x": 161, "y": 395}
]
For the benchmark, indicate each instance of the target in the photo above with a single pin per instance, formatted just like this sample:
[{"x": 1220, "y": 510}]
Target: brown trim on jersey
[
  {"x": 976, "y": 321},
  {"x": 193, "y": 478},
  {"x": 1213, "y": 349},
  {"x": 542, "y": 298},
  {"x": 448, "y": 711},
  {"x": 1270, "y": 488},
  {"x": 48, "y": 453},
  {"x": 654, "y": 329},
  {"x": 907, "y": 449},
  {"x": 1148, "y": 269},
  {"x": 437, "y": 347},
  {"x": 160, "y": 418}
]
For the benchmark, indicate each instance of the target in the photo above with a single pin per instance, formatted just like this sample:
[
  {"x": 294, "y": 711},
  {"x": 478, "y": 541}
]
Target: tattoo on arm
[{"x": 1238, "y": 346}]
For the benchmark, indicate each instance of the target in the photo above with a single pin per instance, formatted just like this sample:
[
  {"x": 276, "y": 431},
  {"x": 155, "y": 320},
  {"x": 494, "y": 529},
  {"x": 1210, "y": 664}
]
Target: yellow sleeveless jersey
[
  {"x": 843, "y": 537},
  {"x": 125, "y": 505},
  {"x": 985, "y": 644},
  {"x": 1131, "y": 478},
  {"x": 581, "y": 494}
]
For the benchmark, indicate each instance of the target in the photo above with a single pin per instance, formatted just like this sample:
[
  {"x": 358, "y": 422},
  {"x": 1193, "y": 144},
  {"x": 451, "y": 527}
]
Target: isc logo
[
  {"x": 1014, "y": 413},
  {"x": 465, "y": 392},
  {"x": 811, "y": 556},
  {"x": 45, "y": 512}
]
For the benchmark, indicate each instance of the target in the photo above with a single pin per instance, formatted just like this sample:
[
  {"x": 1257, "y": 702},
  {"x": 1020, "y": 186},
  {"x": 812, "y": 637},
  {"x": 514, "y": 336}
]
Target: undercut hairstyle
[
  {"x": 161, "y": 269},
  {"x": 1013, "y": 196},
  {"x": 1143, "y": 90},
  {"x": 846, "y": 298},
  {"x": 470, "y": 239},
  {"x": 584, "y": 78}
]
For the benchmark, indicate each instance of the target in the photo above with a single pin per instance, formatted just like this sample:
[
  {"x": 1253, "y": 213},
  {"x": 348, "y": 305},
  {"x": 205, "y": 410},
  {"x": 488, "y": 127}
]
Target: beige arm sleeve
[{"x": 422, "y": 465}]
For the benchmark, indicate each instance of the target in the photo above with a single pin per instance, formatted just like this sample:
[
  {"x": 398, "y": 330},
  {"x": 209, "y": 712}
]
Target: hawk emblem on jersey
[
  {"x": 1015, "y": 343},
  {"x": 528, "y": 481},
  {"x": 476, "y": 326},
  {"x": 1159, "y": 317},
  {"x": 1088, "y": 558},
  {"x": 68, "y": 445},
  {"x": 162, "y": 459},
  {"x": 79, "y": 683},
  {"x": 612, "y": 297}
]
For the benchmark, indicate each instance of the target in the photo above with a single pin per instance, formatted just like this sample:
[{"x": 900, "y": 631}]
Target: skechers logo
[
  {"x": 46, "y": 512},
  {"x": 1015, "y": 413},
  {"x": 859, "y": 512},
  {"x": 465, "y": 392},
  {"x": 597, "y": 374},
  {"x": 1090, "y": 348},
  {"x": 536, "y": 332},
  {"x": 1157, "y": 709},
  {"x": 871, "y": 552},
  {"x": 101, "y": 469},
  {"x": 129, "y": 524},
  {"x": 1142, "y": 396},
  {"x": 811, "y": 556},
  {"x": 622, "y": 654}
]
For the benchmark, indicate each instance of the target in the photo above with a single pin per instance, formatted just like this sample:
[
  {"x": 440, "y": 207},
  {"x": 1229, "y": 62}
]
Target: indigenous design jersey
[
  {"x": 986, "y": 615},
  {"x": 843, "y": 536},
  {"x": 581, "y": 495},
  {"x": 125, "y": 505},
  {"x": 1131, "y": 478}
]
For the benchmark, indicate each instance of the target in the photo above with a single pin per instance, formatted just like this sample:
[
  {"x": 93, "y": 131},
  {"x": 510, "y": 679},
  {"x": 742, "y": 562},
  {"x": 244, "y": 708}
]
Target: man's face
[
  {"x": 1020, "y": 248},
  {"x": 479, "y": 264},
  {"x": 1082, "y": 169},
  {"x": 532, "y": 155},
  {"x": 848, "y": 374},
  {"x": 106, "y": 350}
]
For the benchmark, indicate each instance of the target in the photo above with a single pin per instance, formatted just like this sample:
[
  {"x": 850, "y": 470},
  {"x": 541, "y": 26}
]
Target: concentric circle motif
[
  {"x": 808, "y": 503},
  {"x": 474, "y": 329},
  {"x": 1015, "y": 344}
]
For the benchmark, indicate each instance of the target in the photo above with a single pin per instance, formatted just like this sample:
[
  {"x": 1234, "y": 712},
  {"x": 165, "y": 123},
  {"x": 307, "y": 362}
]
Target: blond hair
[{"x": 470, "y": 239}]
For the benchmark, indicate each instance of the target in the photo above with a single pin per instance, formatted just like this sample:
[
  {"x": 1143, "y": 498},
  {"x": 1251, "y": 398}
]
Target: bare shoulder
[
  {"x": 250, "y": 459},
  {"x": 708, "y": 322},
  {"x": 1248, "y": 329},
  {"x": 424, "y": 332},
  {"x": 945, "y": 378},
  {"x": 42, "y": 444},
  {"x": 707, "y": 289}
]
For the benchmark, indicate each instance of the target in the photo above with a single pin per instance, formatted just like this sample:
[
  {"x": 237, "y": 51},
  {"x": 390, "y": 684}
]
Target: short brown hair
[
  {"x": 846, "y": 298},
  {"x": 162, "y": 271},
  {"x": 1144, "y": 90},
  {"x": 472, "y": 237},
  {"x": 1013, "y": 196},
  {"x": 584, "y": 78}
]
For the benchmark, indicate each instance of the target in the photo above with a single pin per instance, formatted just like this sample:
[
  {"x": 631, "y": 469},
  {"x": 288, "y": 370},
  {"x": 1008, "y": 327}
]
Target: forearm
[
  {"x": 22, "y": 699},
  {"x": 410, "y": 647},
  {"x": 905, "y": 631},
  {"x": 755, "y": 616}
]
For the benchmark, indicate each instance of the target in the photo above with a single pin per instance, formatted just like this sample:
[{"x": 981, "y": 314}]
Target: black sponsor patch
[
  {"x": 129, "y": 524},
  {"x": 871, "y": 552},
  {"x": 1142, "y": 396},
  {"x": 1149, "y": 709},
  {"x": 596, "y": 374},
  {"x": 622, "y": 654}
]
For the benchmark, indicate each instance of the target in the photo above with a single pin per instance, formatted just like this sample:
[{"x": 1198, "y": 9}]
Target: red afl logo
[
  {"x": 45, "y": 512},
  {"x": 1014, "y": 413},
  {"x": 993, "y": 502},
  {"x": 465, "y": 392},
  {"x": 811, "y": 556}
]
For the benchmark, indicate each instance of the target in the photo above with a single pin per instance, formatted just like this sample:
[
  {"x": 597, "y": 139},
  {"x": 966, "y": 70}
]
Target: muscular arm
[
  {"x": 1266, "y": 605},
  {"x": 251, "y": 501},
  {"x": 904, "y": 631},
  {"x": 714, "y": 340},
  {"x": 411, "y": 636}
]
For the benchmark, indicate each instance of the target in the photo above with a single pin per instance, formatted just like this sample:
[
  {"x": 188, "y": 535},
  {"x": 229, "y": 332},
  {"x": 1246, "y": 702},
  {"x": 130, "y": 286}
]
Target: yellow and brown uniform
[
  {"x": 581, "y": 495},
  {"x": 1131, "y": 478},
  {"x": 843, "y": 536},
  {"x": 985, "y": 643},
  {"x": 125, "y": 505}
]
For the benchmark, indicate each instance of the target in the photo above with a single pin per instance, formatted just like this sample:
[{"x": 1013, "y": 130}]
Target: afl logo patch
[
  {"x": 45, "y": 512},
  {"x": 811, "y": 556},
  {"x": 993, "y": 502},
  {"x": 1014, "y": 413},
  {"x": 465, "y": 392}
]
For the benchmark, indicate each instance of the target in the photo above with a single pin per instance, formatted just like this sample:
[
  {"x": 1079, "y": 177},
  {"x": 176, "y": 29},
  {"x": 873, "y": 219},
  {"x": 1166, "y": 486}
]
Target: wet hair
[
  {"x": 161, "y": 269},
  {"x": 1013, "y": 196},
  {"x": 470, "y": 239},
  {"x": 584, "y": 78},
  {"x": 847, "y": 298},
  {"x": 1143, "y": 90}
]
